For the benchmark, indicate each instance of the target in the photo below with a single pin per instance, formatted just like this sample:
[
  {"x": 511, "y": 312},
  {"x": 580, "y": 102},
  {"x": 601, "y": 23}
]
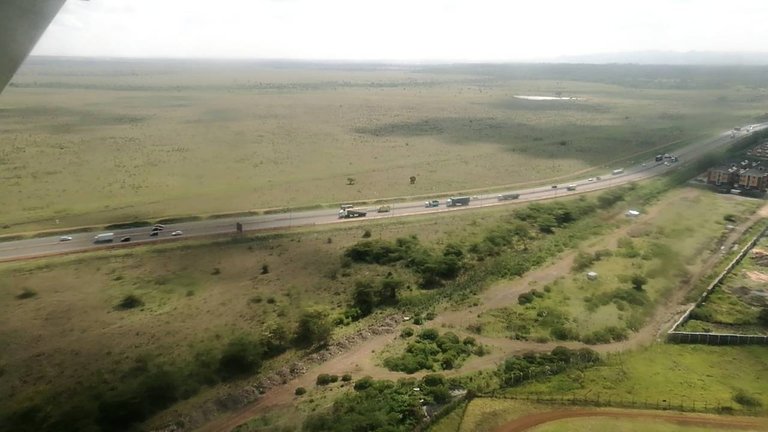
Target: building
[
  {"x": 723, "y": 176},
  {"x": 744, "y": 175},
  {"x": 753, "y": 179}
]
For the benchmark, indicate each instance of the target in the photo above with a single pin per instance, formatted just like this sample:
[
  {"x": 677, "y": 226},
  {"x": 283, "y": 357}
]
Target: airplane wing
[{"x": 22, "y": 22}]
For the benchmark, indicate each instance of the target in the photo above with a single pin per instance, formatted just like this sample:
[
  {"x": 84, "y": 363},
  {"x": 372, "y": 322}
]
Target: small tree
[
  {"x": 300, "y": 391},
  {"x": 638, "y": 281},
  {"x": 413, "y": 179},
  {"x": 350, "y": 181},
  {"x": 314, "y": 328}
]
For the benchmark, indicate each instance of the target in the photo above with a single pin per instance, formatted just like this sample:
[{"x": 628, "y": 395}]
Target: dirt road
[{"x": 702, "y": 420}]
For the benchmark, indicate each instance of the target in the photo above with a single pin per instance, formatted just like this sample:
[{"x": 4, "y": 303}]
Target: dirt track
[{"x": 702, "y": 420}]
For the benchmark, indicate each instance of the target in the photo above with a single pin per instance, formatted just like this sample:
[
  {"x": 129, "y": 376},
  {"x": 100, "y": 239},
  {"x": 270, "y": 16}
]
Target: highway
[{"x": 45, "y": 246}]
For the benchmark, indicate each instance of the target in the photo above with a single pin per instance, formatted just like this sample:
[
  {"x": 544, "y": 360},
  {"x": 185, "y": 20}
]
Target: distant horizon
[{"x": 710, "y": 58}]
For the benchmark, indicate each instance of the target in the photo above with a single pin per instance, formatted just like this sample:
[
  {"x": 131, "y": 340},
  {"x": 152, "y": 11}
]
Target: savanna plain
[{"x": 452, "y": 322}]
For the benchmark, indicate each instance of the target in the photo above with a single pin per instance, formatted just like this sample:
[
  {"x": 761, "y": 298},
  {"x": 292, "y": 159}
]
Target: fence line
[
  {"x": 718, "y": 338},
  {"x": 682, "y": 404}
]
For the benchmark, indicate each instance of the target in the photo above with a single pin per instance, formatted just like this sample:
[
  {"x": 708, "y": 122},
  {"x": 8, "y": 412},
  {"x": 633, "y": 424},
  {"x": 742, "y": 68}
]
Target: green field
[
  {"x": 625, "y": 425},
  {"x": 94, "y": 142},
  {"x": 670, "y": 375}
]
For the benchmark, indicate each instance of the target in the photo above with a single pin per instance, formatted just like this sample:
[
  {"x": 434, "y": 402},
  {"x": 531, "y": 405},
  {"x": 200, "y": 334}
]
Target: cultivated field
[{"x": 93, "y": 142}]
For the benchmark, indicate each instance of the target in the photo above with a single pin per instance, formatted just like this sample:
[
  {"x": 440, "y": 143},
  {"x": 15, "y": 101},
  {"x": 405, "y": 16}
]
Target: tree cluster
[{"x": 432, "y": 351}]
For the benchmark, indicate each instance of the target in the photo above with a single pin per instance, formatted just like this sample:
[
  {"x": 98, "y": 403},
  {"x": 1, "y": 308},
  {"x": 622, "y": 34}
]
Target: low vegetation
[{"x": 433, "y": 351}]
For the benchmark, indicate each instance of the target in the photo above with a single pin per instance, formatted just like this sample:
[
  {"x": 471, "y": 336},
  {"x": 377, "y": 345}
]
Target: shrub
[
  {"x": 638, "y": 281},
  {"x": 26, "y": 293},
  {"x": 264, "y": 269},
  {"x": 216, "y": 271},
  {"x": 300, "y": 391},
  {"x": 130, "y": 301},
  {"x": 313, "y": 328},
  {"x": 325, "y": 379},
  {"x": 241, "y": 356},
  {"x": 346, "y": 378},
  {"x": 363, "y": 383},
  {"x": 429, "y": 334},
  {"x": 367, "y": 233},
  {"x": 406, "y": 332},
  {"x": 747, "y": 400}
]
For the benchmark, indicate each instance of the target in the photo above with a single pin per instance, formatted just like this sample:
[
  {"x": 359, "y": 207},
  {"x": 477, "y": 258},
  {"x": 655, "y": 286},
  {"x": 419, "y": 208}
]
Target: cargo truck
[
  {"x": 571, "y": 187},
  {"x": 104, "y": 238},
  {"x": 351, "y": 213},
  {"x": 457, "y": 201},
  {"x": 510, "y": 196}
]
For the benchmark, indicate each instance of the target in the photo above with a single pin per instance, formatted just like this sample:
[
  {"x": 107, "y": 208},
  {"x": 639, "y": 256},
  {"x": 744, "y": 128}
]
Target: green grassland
[
  {"x": 624, "y": 425},
  {"x": 674, "y": 374},
  {"x": 667, "y": 246},
  {"x": 736, "y": 305},
  {"x": 94, "y": 142}
]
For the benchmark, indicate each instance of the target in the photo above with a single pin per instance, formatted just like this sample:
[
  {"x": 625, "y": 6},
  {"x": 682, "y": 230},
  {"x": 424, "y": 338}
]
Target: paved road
[{"x": 24, "y": 249}]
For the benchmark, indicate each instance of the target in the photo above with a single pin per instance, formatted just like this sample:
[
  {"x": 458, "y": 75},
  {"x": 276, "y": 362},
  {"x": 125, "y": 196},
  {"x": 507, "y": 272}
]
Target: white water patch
[{"x": 547, "y": 98}]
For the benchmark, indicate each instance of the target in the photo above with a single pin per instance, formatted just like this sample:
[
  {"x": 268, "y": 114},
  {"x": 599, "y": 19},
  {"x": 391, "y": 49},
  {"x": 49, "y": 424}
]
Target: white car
[
  {"x": 65, "y": 238},
  {"x": 176, "y": 233},
  {"x": 591, "y": 179}
]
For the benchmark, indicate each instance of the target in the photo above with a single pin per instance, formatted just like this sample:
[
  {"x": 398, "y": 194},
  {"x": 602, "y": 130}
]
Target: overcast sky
[{"x": 412, "y": 30}]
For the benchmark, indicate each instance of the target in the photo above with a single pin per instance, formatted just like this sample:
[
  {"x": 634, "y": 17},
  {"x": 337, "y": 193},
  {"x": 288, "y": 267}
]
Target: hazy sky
[{"x": 477, "y": 30}]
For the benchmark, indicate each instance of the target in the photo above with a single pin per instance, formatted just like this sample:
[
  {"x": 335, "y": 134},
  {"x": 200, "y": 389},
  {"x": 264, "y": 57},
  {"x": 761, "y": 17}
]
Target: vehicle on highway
[
  {"x": 433, "y": 203},
  {"x": 346, "y": 206},
  {"x": 125, "y": 239},
  {"x": 154, "y": 233},
  {"x": 383, "y": 209},
  {"x": 591, "y": 179},
  {"x": 161, "y": 226},
  {"x": 457, "y": 201},
  {"x": 506, "y": 197},
  {"x": 104, "y": 238},
  {"x": 351, "y": 213},
  {"x": 157, "y": 228},
  {"x": 177, "y": 233},
  {"x": 554, "y": 186},
  {"x": 598, "y": 178},
  {"x": 571, "y": 187},
  {"x": 617, "y": 171},
  {"x": 65, "y": 238}
]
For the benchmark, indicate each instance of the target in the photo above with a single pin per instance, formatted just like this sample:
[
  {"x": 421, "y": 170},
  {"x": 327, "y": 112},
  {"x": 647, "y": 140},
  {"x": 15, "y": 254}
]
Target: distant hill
[{"x": 670, "y": 58}]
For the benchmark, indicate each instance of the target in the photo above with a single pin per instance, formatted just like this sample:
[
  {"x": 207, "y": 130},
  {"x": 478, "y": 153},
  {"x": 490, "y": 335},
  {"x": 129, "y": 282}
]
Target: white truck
[
  {"x": 104, "y": 238},
  {"x": 618, "y": 171},
  {"x": 351, "y": 213}
]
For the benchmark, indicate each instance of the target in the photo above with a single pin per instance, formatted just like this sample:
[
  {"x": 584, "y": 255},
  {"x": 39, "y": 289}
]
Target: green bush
[
  {"x": 744, "y": 399},
  {"x": 300, "y": 391},
  {"x": 325, "y": 379},
  {"x": 314, "y": 328},
  {"x": 406, "y": 332},
  {"x": 363, "y": 383},
  {"x": 346, "y": 378},
  {"x": 130, "y": 301},
  {"x": 241, "y": 356}
]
